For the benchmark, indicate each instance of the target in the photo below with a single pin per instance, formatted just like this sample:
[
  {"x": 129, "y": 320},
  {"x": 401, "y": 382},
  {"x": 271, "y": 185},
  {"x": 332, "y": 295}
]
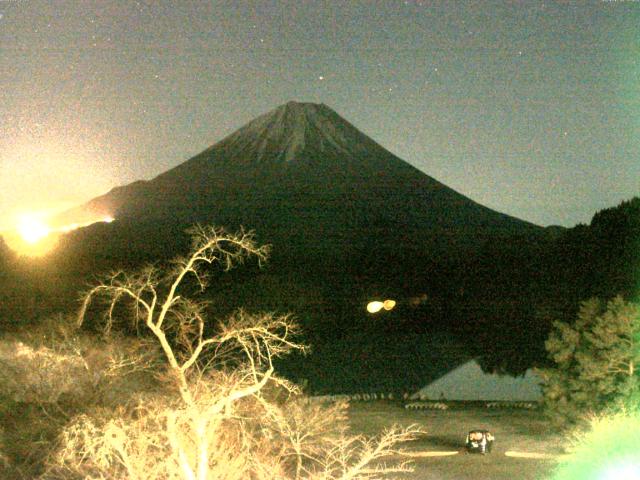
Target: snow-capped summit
[{"x": 288, "y": 128}]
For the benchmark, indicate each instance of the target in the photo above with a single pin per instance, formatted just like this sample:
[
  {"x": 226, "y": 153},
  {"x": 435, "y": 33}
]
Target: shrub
[{"x": 596, "y": 361}]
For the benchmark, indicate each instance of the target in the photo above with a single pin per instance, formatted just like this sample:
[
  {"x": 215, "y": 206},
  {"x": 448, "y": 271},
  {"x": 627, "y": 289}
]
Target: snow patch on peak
[
  {"x": 296, "y": 139},
  {"x": 326, "y": 127},
  {"x": 288, "y": 129},
  {"x": 291, "y": 125},
  {"x": 293, "y": 131}
]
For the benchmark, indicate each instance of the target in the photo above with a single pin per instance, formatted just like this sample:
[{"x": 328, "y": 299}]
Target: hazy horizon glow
[
  {"x": 532, "y": 109},
  {"x": 33, "y": 236},
  {"x": 32, "y": 228}
]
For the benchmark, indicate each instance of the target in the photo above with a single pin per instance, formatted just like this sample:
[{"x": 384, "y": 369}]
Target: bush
[
  {"x": 596, "y": 361},
  {"x": 51, "y": 372}
]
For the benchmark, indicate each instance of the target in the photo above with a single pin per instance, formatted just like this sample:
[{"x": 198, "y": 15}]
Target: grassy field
[{"x": 514, "y": 430}]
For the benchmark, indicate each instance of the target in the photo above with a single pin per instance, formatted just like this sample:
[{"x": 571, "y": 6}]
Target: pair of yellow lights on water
[{"x": 376, "y": 305}]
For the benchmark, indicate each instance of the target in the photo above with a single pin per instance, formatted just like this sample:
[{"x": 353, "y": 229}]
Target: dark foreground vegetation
[
  {"x": 495, "y": 299},
  {"x": 156, "y": 379},
  {"x": 177, "y": 397}
]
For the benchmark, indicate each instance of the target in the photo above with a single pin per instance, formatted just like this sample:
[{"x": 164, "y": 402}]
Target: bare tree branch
[{"x": 219, "y": 422}]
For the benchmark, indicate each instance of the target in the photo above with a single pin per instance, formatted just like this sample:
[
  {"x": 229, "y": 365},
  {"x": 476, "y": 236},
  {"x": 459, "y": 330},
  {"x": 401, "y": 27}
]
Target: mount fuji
[{"x": 303, "y": 176}]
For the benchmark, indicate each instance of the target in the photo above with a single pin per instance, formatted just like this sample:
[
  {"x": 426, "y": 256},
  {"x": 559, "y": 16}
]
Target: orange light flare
[
  {"x": 32, "y": 228},
  {"x": 34, "y": 237},
  {"x": 75, "y": 226}
]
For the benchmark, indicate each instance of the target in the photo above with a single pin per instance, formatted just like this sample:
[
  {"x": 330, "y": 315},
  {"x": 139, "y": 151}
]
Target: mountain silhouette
[{"x": 302, "y": 175}]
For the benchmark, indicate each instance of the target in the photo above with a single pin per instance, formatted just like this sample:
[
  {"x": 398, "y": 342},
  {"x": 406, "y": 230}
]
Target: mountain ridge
[{"x": 299, "y": 150}]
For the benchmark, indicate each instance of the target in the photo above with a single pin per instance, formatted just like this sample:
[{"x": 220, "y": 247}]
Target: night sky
[{"x": 530, "y": 108}]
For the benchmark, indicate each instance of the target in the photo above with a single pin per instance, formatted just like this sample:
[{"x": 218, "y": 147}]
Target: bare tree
[
  {"x": 163, "y": 311},
  {"x": 230, "y": 416}
]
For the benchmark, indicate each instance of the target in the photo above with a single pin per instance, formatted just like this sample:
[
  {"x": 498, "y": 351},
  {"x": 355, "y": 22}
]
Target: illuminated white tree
[{"x": 229, "y": 416}]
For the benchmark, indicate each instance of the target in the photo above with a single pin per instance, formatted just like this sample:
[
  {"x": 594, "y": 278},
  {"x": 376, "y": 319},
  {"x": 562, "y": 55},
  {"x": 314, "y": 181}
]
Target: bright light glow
[
  {"x": 388, "y": 304},
  {"x": 376, "y": 305},
  {"x": 608, "y": 450},
  {"x": 537, "y": 455},
  {"x": 32, "y": 228},
  {"x": 74, "y": 226},
  {"x": 619, "y": 472},
  {"x": 33, "y": 237}
]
